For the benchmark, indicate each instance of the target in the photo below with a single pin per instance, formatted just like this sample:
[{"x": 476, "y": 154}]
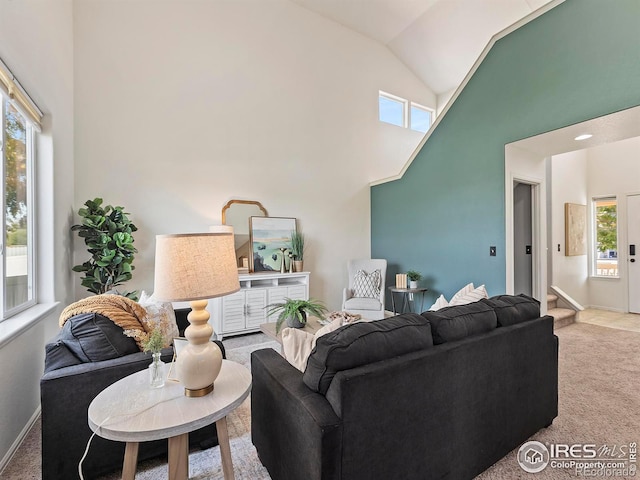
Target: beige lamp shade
[{"x": 195, "y": 266}]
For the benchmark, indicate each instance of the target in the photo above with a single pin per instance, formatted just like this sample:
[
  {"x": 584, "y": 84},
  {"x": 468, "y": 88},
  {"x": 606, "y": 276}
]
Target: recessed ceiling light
[{"x": 584, "y": 136}]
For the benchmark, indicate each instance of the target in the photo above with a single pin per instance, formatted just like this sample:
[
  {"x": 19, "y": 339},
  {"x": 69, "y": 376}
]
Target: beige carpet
[{"x": 599, "y": 403}]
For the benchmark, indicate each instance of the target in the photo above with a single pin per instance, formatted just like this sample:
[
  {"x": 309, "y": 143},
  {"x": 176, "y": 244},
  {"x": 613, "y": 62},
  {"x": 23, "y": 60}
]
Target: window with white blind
[{"x": 20, "y": 122}]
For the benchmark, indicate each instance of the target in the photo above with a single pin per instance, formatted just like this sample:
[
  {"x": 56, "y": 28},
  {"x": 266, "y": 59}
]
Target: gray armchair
[{"x": 369, "y": 307}]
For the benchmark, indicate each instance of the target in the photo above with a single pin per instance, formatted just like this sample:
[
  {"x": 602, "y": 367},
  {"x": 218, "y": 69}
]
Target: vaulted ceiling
[{"x": 439, "y": 40}]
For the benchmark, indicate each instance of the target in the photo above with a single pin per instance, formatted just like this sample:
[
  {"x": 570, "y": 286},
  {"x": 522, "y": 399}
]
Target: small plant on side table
[
  {"x": 414, "y": 277},
  {"x": 152, "y": 342},
  {"x": 295, "y": 312}
]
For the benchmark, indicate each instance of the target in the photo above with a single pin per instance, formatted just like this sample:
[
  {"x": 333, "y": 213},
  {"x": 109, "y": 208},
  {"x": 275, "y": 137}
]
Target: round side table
[
  {"x": 132, "y": 412},
  {"x": 407, "y": 296}
]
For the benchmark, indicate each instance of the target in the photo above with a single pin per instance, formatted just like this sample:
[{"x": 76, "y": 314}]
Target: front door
[{"x": 633, "y": 252}]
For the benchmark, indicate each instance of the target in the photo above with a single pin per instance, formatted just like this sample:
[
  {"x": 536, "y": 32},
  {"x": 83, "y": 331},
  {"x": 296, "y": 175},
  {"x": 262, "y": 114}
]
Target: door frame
[
  {"x": 623, "y": 254},
  {"x": 538, "y": 236}
]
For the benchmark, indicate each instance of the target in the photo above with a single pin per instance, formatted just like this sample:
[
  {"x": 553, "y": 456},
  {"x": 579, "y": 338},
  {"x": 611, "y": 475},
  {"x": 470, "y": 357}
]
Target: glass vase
[{"x": 156, "y": 372}]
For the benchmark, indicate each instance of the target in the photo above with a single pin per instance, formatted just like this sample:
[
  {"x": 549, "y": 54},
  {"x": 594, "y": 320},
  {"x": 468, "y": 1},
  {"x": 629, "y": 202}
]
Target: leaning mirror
[{"x": 237, "y": 213}]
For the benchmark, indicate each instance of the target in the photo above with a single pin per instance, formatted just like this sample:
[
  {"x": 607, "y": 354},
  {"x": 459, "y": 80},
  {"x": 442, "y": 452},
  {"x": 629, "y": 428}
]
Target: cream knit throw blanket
[{"x": 122, "y": 311}]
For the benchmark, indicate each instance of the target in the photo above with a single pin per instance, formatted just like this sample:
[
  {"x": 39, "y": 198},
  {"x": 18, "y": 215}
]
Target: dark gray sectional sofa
[
  {"x": 440, "y": 395},
  {"x": 88, "y": 355}
]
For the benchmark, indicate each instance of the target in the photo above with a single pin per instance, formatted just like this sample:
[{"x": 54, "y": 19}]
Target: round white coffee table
[{"x": 132, "y": 412}]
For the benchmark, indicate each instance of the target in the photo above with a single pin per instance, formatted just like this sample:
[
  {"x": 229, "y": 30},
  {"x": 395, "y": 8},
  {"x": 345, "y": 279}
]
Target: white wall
[
  {"x": 568, "y": 185},
  {"x": 36, "y": 43},
  {"x": 614, "y": 169},
  {"x": 524, "y": 166},
  {"x": 182, "y": 106}
]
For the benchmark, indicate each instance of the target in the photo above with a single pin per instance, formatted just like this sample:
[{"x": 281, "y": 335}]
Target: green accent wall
[{"x": 579, "y": 61}]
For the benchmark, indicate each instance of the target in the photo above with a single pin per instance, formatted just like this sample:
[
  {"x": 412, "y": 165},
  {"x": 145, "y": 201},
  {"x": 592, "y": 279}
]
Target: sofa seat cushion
[
  {"x": 512, "y": 309},
  {"x": 91, "y": 337},
  {"x": 454, "y": 323},
  {"x": 359, "y": 303},
  {"x": 363, "y": 343}
]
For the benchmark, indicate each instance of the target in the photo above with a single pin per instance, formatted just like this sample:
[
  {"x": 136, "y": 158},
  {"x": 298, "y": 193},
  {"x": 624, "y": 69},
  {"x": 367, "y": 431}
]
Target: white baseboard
[
  {"x": 16, "y": 444},
  {"x": 609, "y": 309}
]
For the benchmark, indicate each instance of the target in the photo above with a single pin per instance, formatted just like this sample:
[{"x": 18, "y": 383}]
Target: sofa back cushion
[
  {"x": 512, "y": 309},
  {"x": 92, "y": 337},
  {"x": 362, "y": 343},
  {"x": 453, "y": 323}
]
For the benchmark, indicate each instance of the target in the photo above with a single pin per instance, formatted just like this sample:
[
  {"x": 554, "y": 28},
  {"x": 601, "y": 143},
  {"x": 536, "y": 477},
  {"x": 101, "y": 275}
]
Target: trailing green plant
[
  {"x": 414, "y": 276},
  {"x": 297, "y": 245},
  {"x": 297, "y": 309},
  {"x": 107, "y": 232}
]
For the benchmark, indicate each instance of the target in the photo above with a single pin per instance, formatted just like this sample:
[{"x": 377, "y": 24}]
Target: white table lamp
[{"x": 196, "y": 267}]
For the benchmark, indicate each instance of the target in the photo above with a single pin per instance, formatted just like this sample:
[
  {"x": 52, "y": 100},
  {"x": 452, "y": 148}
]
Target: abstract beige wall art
[{"x": 575, "y": 229}]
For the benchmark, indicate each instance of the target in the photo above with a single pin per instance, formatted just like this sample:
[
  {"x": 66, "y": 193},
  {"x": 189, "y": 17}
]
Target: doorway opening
[
  {"x": 533, "y": 157},
  {"x": 522, "y": 239}
]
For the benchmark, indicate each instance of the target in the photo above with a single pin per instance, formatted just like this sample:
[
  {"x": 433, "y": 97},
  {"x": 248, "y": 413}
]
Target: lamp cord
[{"x": 86, "y": 450}]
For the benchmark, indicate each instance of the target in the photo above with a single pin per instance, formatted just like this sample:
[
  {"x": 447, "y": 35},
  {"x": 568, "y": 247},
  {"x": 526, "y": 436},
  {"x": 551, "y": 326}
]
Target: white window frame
[
  {"x": 395, "y": 98},
  {"x": 31, "y": 216},
  {"x": 593, "y": 251},
  {"x": 430, "y": 111}
]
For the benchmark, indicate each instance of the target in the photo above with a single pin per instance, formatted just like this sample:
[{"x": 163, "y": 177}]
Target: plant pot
[
  {"x": 293, "y": 322},
  {"x": 413, "y": 284},
  {"x": 297, "y": 265}
]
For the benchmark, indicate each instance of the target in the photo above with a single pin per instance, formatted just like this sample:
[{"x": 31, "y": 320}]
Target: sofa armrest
[
  {"x": 287, "y": 416},
  {"x": 347, "y": 293},
  {"x": 65, "y": 396}
]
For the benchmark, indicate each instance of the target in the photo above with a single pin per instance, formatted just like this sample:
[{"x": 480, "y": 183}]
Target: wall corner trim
[{"x": 532, "y": 16}]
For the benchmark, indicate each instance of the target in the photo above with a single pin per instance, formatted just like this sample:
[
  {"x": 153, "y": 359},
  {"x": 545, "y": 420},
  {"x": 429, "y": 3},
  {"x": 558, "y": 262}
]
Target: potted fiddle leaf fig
[
  {"x": 107, "y": 232},
  {"x": 295, "y": 312}
]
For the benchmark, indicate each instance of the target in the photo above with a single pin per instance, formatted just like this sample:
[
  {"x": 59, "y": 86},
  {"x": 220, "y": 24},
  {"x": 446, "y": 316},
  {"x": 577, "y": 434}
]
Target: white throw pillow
[
  {"x": 461, "y": 293},
  {"x": 366, "y": 285},
  {"x": 441, "y": 302},
  {"x": 472, "y": 296},
  {"x": 298, "y": 344},
  {"x": 160, "y": 314}
]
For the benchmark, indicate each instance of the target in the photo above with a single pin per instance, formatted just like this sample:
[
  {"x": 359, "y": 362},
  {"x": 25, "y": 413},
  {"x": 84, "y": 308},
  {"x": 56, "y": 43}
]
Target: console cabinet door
[
  {"x": 245, "y": 311},
  {"x": 297, "y": 292},
  {"x": 233, "y": 312},
  {"x": 276, "y": 295},
  {"x": 256, "y": 300}
]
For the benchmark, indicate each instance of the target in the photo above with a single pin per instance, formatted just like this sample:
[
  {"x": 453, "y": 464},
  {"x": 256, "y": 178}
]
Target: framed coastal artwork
[
  {"x": 268, "y": 236},
  {"x": 575, "y": 229}
]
